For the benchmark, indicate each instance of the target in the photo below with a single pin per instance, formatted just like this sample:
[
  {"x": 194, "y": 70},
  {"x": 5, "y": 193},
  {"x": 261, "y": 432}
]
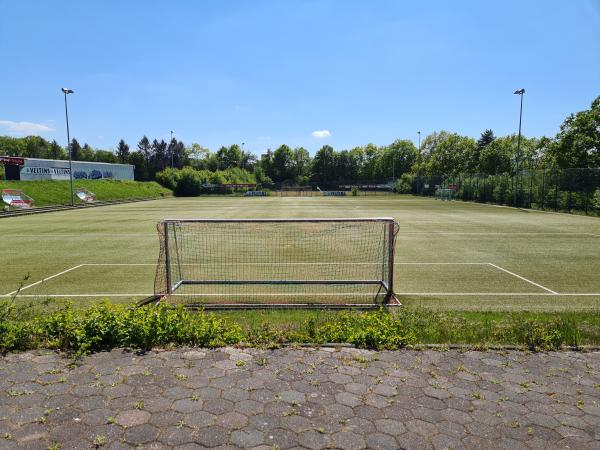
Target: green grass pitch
[{"x": 449, "y": 255}]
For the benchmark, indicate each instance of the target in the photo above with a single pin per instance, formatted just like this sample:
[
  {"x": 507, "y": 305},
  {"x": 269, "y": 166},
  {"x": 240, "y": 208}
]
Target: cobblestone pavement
[{"x": 307, "y": 398}]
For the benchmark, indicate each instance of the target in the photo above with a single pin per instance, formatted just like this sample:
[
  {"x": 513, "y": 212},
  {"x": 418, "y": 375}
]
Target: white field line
[
  {"x": 42, "y": 280},
  {"x": 494, "y": 233},
  {"x": 523, "y": 278},
  {"x": 82, "y": 235}
]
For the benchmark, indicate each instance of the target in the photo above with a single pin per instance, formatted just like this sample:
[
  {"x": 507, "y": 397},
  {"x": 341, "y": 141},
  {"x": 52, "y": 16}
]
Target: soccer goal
[{"x": 244, "y": 263}]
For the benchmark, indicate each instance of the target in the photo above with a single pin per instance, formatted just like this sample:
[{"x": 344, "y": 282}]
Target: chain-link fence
[{"x": 567, "y": 190}]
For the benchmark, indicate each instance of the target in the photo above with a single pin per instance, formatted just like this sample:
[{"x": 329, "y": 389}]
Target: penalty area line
[
  {"x": 523, "y": 278},
  {"x": 42, "y": 280}
]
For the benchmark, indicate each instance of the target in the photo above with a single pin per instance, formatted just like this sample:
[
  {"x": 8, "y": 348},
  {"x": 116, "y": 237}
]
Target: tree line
[{"x": 577, "y": 144}]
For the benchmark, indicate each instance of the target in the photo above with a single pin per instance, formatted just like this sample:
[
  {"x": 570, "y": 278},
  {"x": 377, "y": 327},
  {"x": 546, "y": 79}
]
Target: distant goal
[{"x": 256, "y": 263}]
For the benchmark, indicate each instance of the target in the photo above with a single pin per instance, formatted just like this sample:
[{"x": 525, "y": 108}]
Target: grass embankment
[
  {"x": 48, "y": 192},
  {"x": 105, "y": 326}
]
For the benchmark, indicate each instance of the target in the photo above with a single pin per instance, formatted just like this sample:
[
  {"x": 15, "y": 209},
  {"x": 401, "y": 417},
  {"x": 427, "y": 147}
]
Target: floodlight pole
[
  {"x": 69, "y": 91},
  {"x": 419, "y": 134},
  {"x": 518, "y": 92}
]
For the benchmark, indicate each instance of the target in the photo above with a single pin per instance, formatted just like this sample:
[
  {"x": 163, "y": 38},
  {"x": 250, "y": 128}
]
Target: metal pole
[
  {"x": 167, "y": 258},
  {"x": 391, "y": 249},
  {"x": 520, "y": 92},
  {"x": 69, "y": 150}
]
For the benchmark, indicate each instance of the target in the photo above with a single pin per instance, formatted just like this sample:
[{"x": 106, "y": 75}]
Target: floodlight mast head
[
  {"x": 520, "y": 91},
  {"x": 67, "y": 90}
]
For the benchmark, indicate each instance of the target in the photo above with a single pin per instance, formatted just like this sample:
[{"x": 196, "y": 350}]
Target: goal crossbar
[{"x": 228, "y": 258}]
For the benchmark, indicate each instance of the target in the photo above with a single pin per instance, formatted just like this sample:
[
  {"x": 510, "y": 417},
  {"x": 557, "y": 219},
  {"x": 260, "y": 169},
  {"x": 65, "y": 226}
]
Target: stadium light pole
[
  {"x": 518, "y": 92},
  {"x": 419, "y": 134},
  {"x": 69, "y": 91}
]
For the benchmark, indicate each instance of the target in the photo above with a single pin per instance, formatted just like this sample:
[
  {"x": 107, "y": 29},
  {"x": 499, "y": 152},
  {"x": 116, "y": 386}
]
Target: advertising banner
[{"x": 47, "y": 169}]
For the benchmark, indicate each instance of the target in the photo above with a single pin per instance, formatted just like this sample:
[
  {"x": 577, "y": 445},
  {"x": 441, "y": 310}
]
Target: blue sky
[{"x": 273, "y": 72}]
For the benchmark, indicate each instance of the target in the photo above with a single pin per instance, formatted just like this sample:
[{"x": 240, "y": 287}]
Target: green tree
[
  {"x": 105, "y": 156},
  {"x": 86, "y": 153},
  {"x": 140, "y": 171},
  {"x": 447, "y": 153},
  {"x": 229, "y": 157},
  {"x": 578, "y": 142},
  {"x": 371, "y": 168},
  {"x": 158, "y": 158},
  {"x": 56, "y": 151},
  {"x": 122, "y": 152},
  {"x": 145, "y": 149},
  {"x": 266, "y": 163},
  {"x": 301, "y": 165},
  {"x": 496, "y": 157},
  {"x": 75, "y": 150},
  {"x": 249, "y": 160},
  {"x": 283, "y": 164},
  {"x": 486, "y": 138},
  {"x": 398, "y": 158},
  {"x": 323, "y": 165}
]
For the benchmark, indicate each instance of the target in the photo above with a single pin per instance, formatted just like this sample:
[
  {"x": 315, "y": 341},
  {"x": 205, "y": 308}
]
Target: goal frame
[{"x": 385, "y": 287}]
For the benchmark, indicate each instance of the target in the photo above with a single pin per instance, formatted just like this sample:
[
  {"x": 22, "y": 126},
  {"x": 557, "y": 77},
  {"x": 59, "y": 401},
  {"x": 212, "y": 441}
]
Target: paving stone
[
  {"x": 132, "y": 417},
  {"x": 232, "y": 420},
  {"x": 313, "y": 440},
  {"x": 348, "y": 441},
  {"x": 246, "y": 438},
  {"x": 381, "y": 441},
  {"x": 212, "y": 436},
  {"x": 187, "y": 405},
  {"x": 174, "y": 436},
  {"x": 309, "y": 398},
  {"x": 141, "y": 434}
]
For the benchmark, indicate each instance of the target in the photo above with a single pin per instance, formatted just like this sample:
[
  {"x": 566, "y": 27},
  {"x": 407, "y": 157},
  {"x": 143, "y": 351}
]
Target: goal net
[{"x": 223, "y": 263}]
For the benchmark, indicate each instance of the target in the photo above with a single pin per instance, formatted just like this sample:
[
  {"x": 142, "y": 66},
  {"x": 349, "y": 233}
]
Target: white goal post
[{"x": 320, "y": 262}]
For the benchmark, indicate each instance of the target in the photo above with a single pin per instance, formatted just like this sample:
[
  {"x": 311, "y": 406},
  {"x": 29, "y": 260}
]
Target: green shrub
[
  {"x": 354, "y": 191},
  {"x": 168, "y": 178},
  {"x": 537, "y": 335},
  {"x": 188, "y": 183},
  {"x": 404, "y": 184},
  {"x": 367, "y": 330},
  {"x": 106, "y": 326}
]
